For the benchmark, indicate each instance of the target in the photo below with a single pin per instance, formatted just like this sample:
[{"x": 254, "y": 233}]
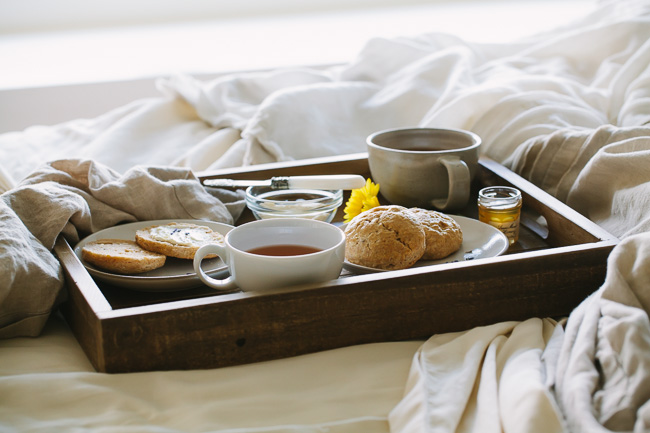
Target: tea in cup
[
  {"x": 430, "y": 168},
  {"x": 274, "y": 253}
]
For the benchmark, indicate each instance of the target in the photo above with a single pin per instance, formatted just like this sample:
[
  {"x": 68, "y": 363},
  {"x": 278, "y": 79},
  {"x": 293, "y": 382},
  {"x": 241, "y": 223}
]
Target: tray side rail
[
  {"x": 565, "y": 226},
  {"x": 84, "y": 301},
  {"x": 356, "y": 163},
  {"x": 396, "y": 306}
]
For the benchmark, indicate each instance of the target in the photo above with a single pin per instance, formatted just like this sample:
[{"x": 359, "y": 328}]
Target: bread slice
[
  {"x": 121, "y": 256},
  {"x": 180, "y": 240}
]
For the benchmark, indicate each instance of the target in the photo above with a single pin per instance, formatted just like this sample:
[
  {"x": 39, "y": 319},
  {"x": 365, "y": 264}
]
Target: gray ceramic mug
[{"x": 430, "y": 168}]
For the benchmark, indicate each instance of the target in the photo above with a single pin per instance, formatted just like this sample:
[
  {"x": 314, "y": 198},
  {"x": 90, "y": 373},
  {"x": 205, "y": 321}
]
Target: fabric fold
[
  {"x": 487, "y": 379},
  {"x": 603, "y": 372},
  {"x": 78, "y": 197}
]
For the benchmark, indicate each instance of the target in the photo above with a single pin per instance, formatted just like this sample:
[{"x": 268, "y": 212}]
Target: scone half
[
  {"x": 384, "y": 237},
  {"x": 121, "y": 256},
  {"x": 180, "y": 240}
]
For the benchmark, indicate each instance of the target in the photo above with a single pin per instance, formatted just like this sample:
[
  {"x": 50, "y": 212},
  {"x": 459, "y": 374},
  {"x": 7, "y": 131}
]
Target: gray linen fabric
[{"x": 74, "y": 198}]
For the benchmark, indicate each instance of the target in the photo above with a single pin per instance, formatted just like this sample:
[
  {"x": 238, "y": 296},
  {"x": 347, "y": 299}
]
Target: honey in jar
[{"x": 500, "y": 206}]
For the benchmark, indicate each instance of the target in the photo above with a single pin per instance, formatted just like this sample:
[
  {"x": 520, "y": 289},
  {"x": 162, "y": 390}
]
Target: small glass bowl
[{"x": 315, "y": 204}]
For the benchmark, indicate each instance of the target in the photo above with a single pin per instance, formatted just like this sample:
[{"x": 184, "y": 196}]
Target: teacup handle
[
  {"x": 225, "y": 284},
  {"x": 459, "y": 184}
]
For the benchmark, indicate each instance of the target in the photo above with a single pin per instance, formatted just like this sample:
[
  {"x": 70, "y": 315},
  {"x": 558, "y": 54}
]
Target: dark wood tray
[{"x": 559, "y": 260}]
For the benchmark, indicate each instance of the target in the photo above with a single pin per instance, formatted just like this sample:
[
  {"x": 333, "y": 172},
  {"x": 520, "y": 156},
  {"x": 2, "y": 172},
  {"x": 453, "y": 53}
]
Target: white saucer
[
  {"x": 480, "y": 240},
  {"x": 176, "y": 274}
]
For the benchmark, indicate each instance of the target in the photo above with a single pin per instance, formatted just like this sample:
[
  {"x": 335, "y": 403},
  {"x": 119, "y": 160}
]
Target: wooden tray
[{"x": 559, "y": 260}]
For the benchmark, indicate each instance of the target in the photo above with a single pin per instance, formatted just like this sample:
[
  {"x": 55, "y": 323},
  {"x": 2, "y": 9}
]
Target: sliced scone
[
  {"x": 121, "y": 256},
  {"x": 180, "y": 240}
]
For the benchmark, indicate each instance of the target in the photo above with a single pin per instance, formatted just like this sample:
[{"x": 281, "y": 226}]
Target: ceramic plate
[
  {"x": 176, "y": 274},
  {"x": 480, "y": 240}
]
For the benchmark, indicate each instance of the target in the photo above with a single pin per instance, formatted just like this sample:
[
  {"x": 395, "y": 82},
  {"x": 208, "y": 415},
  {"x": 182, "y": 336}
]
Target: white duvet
[{"x": 569, "y": 110}]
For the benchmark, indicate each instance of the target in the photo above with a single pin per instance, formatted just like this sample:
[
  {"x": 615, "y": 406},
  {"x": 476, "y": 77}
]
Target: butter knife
[{"x": 333, "y": 182}]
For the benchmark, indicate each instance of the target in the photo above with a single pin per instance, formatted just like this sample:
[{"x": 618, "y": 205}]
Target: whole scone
[
  {"x": 180, "y": 240},
  {"x": 121, "y": 256},
  {"x": 443, "y": 234},
  {"x": 384, "y": 237}
]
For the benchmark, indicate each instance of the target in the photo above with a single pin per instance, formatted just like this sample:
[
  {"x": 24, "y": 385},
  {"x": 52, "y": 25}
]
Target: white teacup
[
  {"x": 431, "y": 168},
  {"x": 310, "y": 251}
]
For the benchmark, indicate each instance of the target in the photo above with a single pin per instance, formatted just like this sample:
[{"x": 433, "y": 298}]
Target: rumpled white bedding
[
  {"x": 538, "y": 376},
  {"x": 569, "y": 110}
]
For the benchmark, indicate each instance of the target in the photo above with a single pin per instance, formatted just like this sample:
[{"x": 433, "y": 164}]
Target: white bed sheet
[
  {"x": 48, "y": 384},
  {"x": 568, "y": 109}
]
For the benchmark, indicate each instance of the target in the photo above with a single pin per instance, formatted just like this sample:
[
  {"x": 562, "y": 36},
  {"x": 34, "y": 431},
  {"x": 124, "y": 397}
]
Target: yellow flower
[{"x": 361, "y": 200}]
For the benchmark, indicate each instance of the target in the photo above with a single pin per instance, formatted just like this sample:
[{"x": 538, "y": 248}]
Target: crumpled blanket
[
  {"x": 488, "y": 379},
  {"x": 588, "y": 375},
  {"x": 603, "y": 371},
  {"x": 77, "y": 197}
]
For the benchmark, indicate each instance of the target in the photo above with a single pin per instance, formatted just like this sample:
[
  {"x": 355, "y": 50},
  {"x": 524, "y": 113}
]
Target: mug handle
[
  {"x": 459, "y": 184},
  {"x": 226, "y": 284}
]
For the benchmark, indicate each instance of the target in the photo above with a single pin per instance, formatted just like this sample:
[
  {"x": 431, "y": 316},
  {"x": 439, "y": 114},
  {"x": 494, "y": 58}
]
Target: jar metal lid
[{"x": 499, "y": 196}]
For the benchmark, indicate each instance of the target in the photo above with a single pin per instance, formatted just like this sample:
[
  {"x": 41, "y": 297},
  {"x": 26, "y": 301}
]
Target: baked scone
[
  {"x": 385, "y": 237},
  {"x": 180, "y": 240},
  {"x": 121, "y": 256},
  {"x": 443, "y": 234}
]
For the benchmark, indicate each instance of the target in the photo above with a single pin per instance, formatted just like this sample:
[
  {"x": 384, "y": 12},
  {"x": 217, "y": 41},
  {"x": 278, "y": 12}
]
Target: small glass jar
[
  {"x": 500, "y": 206},
  {"x": 266, "y": 202}
]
